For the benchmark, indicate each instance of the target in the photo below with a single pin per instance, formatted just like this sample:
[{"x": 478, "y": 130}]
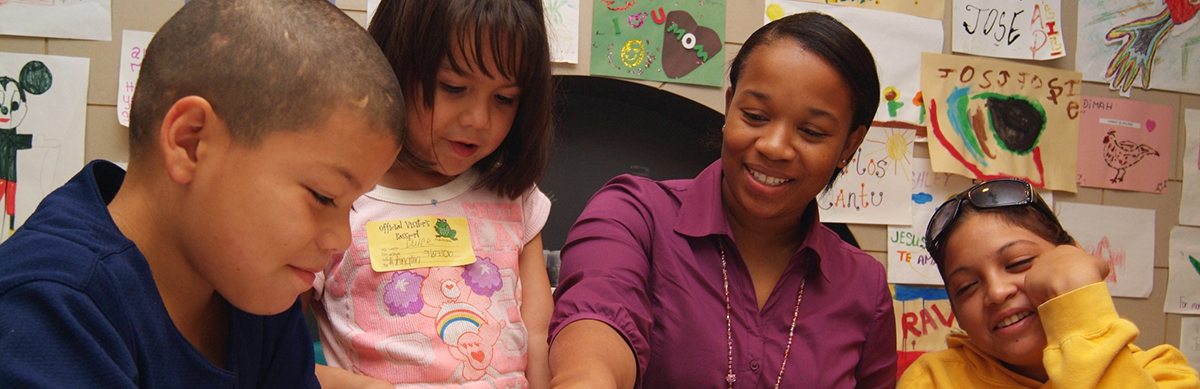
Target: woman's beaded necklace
[{"x": 730, "y": 377}]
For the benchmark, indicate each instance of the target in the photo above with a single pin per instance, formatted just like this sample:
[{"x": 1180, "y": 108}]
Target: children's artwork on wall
[
  {"x": 931, "y": 9},
  {"x": 562, "y": 26},
  {"x": 923, "y": 319},
  {"x": 908, "y": 260},
  {"x": 1128, "y": 246},
  {"x": 133, "y": 49},
  {"x": 874, "y": 186},
  {"x": 1149, "y": 44},
  {"x": 70, "y": 19},
  {"x": 1022, "y": 29},
  {"x": 1189, "y": 340},
  {"x": 992, "y": 118},
  {"x": 1183, "y": 284},
  {"x": 42, "y": 118},
  {"x": 678, "y": 42},
  {"x": 1189, "y": 202},
  {"x": 896, "y": 41},
  {"x": 1124, "y": 144}
]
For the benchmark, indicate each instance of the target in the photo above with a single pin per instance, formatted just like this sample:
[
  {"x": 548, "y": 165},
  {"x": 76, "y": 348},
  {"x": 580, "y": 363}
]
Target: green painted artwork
[
  {"x": 1195, "y": 263},
  {"x": 669, "y": 41}
]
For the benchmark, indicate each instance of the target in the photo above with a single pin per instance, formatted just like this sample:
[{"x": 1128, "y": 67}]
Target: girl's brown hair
[{"x": 415, "y": 35}]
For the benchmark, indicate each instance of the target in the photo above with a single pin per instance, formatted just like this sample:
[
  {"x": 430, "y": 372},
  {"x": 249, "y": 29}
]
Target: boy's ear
[{"x": 188, "y": 123}]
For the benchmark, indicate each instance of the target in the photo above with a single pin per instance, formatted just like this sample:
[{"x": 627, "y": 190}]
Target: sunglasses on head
[{"x": 1001, "y": 192}]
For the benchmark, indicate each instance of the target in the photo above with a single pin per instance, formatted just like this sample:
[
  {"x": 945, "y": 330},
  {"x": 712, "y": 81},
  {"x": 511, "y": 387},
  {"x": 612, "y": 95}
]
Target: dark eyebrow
[{"x": 811, "y": 111}]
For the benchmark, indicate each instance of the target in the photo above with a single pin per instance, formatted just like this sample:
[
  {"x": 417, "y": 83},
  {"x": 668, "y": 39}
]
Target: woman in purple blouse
[{"x": 729, "y": 279}]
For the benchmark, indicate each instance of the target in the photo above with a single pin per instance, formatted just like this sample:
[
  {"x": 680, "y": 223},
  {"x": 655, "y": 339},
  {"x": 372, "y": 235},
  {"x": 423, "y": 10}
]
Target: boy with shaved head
[{"x": 255, "y": 125}]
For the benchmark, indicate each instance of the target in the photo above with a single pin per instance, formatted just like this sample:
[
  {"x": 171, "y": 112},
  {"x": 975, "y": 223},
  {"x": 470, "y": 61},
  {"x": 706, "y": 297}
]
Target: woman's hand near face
[{"x": 1061, "y": 270}]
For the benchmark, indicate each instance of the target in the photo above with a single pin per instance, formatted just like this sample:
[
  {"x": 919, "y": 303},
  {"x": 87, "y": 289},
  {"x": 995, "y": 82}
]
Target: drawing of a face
[
  {"x": 13, "y": 110},
  {"x": 985, "y": 265}
]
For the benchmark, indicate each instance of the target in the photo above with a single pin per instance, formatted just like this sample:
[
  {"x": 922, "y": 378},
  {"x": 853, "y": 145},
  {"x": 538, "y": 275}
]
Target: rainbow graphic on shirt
[{"x": 456, "y": 319}]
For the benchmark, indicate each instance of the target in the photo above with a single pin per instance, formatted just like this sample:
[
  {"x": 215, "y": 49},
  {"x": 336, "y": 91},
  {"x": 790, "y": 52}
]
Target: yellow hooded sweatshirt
[{"x": 1087, "y": 346}]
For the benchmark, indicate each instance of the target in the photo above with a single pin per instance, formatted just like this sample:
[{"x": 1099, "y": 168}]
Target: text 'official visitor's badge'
[{"x": 417, "y": 242}]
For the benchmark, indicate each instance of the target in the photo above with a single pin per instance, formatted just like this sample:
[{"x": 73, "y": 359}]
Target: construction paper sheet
[
  {"x": 908, "y": 260},
  {"x": 70, "y": 19},
  {"x": 1124, "y": 144},
  {"x": 133, "y": 49},
  {"x": 1189, "y": 202},
  {"x": 992, "y": 118},
  {"x": 562, "y": 26},
  {"x": 1020, "y": 29},
  {"x": 932, "y": 9},
  {"x": 1149, "y": 44},
  {"x": 923, "y": 319},
  {"x": 668, "y": 41},
  {"x": 874, "y": 187},
  {"x": 896, "y": 41},
  {"x": 41, "y": 142},
  {"x": 1183, "y": 284},
  {"x": 1189, "y": 340},
  {"x": 1127, "y": 245}
]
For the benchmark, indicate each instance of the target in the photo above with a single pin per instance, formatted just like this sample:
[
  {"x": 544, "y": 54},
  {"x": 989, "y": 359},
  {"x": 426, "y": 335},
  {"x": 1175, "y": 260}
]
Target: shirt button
[{"x": 754, "y": 365}]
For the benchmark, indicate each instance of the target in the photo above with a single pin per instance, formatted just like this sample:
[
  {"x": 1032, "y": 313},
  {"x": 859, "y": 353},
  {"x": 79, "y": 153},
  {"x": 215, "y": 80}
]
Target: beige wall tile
[
  {"x": 22, "y": 44},
  {"x": 105, "y": 138}
]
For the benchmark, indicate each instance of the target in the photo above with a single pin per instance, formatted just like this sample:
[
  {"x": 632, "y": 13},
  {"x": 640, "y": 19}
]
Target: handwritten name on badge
[{"x": 417, "y": 242}]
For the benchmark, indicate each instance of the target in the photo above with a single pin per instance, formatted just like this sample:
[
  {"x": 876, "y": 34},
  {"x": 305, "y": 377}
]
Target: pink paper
[{"x": 1124, "y": 144}]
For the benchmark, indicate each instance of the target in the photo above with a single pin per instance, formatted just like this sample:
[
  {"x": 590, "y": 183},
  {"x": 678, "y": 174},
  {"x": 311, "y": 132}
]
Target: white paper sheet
[
  {"x": 74, "y": 19},
  {"x": 1127, "y": 245},
  {"x": 44, "y": 137},
  {"x": 1020, "y": 29},
  {"x": 874, "y": 188},
  {"x": 562, "y": 26},
  {"x": 908, "y": 260},
  {"x": 1189, "y": 203},
  {"x": 1189, "y": 340},
  {"x": 1144, "y": 44},
  {"x": 896, "y": 41},
  {"x": 1183, "y": 285},
  {"x": 133, "y": 50}
]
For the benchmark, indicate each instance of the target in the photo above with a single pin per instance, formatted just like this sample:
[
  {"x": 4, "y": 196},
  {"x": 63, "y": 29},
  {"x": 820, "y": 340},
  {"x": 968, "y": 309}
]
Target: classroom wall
[{"x": 107, "y": 139}]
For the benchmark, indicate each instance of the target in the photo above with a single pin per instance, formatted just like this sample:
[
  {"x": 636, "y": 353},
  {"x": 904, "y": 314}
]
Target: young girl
[
  {"x": 445, "y": 282},
  {"x": 1035, "y": 307}
]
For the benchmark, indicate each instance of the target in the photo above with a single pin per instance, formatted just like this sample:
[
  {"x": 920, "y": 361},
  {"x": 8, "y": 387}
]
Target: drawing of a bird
[{"x": 1120, "y": 155}]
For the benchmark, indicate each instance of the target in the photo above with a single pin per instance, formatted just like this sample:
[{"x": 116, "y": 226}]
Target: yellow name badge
[{"x": 417, "y": 242}]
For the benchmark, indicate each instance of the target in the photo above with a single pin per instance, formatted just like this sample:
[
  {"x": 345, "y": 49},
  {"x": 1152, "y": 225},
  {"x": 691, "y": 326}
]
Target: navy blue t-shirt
[{"x": 78, "y": 308}]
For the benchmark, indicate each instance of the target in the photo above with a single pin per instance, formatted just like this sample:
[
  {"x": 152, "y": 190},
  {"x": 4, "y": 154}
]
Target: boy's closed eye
[{"x": 322, "y": 199}]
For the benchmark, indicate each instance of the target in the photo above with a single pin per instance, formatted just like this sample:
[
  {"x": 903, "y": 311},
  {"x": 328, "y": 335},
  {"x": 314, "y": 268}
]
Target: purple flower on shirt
[
  {"x": 482, "y": 276},
  {"x": 402, "y": 295}
]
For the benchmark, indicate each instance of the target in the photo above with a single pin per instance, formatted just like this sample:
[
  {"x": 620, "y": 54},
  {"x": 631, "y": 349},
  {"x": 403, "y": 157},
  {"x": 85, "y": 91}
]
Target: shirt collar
[{"x": 702, "y": 213}]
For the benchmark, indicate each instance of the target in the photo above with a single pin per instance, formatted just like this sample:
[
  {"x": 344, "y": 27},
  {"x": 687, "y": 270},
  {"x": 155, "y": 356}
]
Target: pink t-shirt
[{"x": 445, "y": 326}]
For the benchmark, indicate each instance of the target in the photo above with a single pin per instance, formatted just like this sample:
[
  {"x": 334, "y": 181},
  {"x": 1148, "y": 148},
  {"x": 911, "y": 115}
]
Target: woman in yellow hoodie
[{"x": 1035, "y": 307}]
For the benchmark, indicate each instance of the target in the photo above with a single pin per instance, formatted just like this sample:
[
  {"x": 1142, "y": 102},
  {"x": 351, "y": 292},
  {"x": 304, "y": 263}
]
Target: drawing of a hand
[{"x": 1141, "y": 38}]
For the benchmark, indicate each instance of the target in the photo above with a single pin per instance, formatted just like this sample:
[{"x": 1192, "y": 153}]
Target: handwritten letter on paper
[{"x": 1022, "y": 29}]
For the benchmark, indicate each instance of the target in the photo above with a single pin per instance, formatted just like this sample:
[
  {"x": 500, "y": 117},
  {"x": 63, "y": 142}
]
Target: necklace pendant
[{"x": 731, "y": 378}]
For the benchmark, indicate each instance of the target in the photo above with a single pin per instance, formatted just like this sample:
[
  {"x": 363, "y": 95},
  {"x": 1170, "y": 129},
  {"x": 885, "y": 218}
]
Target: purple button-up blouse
[{"x": 643, "y": 258}]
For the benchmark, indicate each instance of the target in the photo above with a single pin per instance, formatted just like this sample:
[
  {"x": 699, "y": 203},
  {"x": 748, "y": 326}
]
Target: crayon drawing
[
  {"x": 1189, "y": 202},
  {"x": 1189, "y": 340},
  {"x": 70, "y": 19},
  {"x": 1148, "y": 43},
  {"x": 923, "y": 319},
  {"x": 1124, "y": 144},
  {"x": 991, "y": 119},
  {"x": 908, "y": 260},
  {"x": 896, "y": 41},
  {"x": 42, "y": 120},
  {"x": 1183, "y": 284},
  {"x": 562, "y": 26},
  {"x": 931, "y": 9},
  {"x": 1030, "y": 29},
  {"x": 874, "y": 186},
  {"x": 678, "y": 42},
  {"x": 1128, "y": 246}
]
